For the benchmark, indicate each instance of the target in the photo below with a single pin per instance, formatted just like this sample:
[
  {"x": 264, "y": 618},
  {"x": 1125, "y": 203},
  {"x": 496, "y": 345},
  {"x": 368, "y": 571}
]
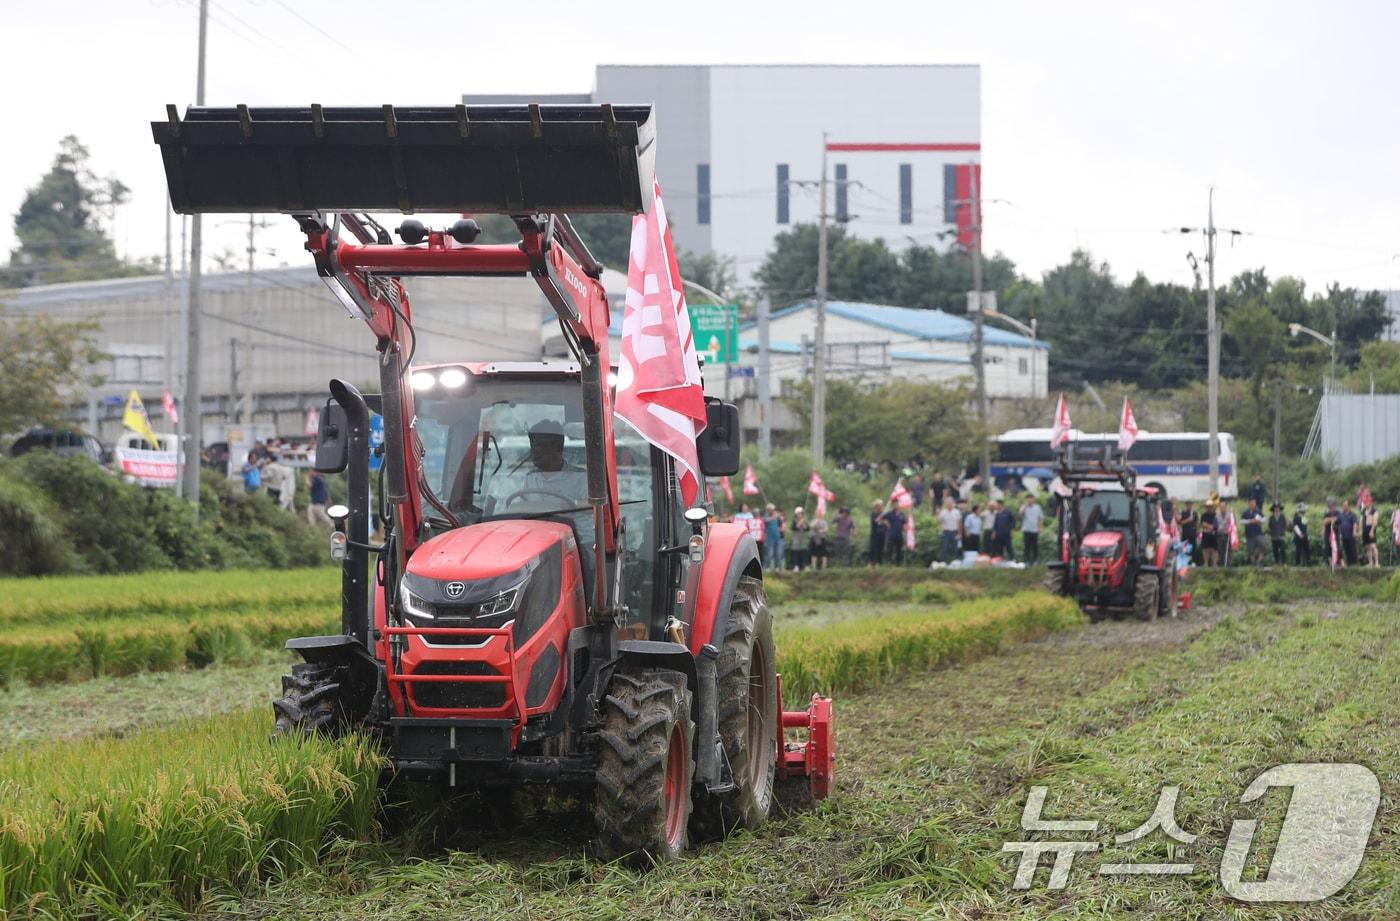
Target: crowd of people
[
  {"x": 1007, "y": 529},
  {"x": 1351, "y": 533},
  {"x": 265, "y": 472}
]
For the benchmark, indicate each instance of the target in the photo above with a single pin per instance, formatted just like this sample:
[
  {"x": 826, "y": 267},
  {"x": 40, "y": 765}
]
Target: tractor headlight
[
  {"x": 503, "y": 603},
  {"x": 412, "y": 604}
]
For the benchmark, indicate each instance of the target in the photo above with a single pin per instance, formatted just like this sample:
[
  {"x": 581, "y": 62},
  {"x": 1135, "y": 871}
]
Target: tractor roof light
[
  {"x": 452, "y": 378},
  {"x": 422, "y": 380}
]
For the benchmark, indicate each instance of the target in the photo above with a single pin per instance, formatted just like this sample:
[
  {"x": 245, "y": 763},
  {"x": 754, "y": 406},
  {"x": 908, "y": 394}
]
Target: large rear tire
[
  {"x": 642, "y": 802},
  {"x": 310, "y": 701},
  {"x": 1145, "y": 592},
  {"x": 747, "y": 718}
]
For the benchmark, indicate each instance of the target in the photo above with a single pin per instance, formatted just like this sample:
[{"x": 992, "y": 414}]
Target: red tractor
[
  {"x": 543, "y": 608},
  {"x": 1115, "y": 546}
]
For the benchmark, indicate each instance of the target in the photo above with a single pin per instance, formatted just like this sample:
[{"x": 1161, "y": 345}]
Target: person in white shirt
[
  {"x": 1031, "y": 516},
  {"x": 949, "y": 523}
]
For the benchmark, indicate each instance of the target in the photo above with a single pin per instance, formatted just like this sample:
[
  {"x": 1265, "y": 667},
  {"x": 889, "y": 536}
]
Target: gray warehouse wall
[{"x": 1360, "y": 429}]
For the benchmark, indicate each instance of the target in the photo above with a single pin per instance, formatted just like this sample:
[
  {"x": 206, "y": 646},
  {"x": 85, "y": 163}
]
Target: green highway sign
[{"x": 716, "y": 330}]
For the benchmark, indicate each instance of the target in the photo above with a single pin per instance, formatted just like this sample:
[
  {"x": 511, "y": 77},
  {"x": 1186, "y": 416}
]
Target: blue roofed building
[{"x": 872, "y": 341}]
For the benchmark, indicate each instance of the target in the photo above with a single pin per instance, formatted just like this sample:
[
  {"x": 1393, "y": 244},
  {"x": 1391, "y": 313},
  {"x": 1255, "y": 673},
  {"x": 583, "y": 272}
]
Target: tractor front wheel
[
  {"x": 1145, "y": 592},
  {"x": 310, "y": 701},
  {"x": 642, "y": 802},
  {"x": 1055, "y": 581},
  {"x": 747, "y": 718}
]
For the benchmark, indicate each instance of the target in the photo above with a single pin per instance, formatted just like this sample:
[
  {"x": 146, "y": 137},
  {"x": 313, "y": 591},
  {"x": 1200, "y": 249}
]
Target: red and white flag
[
  {"x": 728, "y": 492},
  {"x": 167, "y": 402},
  {"x": 313, "y": 422},
  {"x": 1234, "y": 532},
  {"x": 816, "y": 487},
  {"x": 1127, "y": 427},
  {"x": 750, "y": 481},
  {"x": 1395, "y": 525},
  {"x": 901, "y": 496},
  {"x": 1060, "y": 433},
  {"x": 658, "y": 372}
]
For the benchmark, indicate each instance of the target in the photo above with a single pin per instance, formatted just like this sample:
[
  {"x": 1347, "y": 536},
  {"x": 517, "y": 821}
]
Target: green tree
[
  {"x": 60, "y": 224},
  {"x": 41, "y": 361},
  {"x": 710, "y": 270},
  {"x": 608, "y": 237},
  {"x": 893, "y": 421},
  {"x": 868, "y": 270}
]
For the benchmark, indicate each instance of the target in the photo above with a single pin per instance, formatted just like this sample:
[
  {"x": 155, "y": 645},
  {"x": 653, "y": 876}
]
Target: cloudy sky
[{"x": 1104, "y": 123}]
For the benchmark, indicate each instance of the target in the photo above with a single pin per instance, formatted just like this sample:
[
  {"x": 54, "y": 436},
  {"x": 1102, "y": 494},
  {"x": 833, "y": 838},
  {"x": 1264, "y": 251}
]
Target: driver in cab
[{"x": 552, "y": 473}]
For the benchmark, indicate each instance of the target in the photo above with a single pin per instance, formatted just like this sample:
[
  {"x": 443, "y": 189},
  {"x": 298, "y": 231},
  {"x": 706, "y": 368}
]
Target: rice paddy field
[{"x": 149, "y": 787}]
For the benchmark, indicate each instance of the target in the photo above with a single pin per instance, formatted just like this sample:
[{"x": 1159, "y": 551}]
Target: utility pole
[
  {"x": 819, "y": 345},
  {"x": 1278, "y": 432},
  {"x": 249, "y": 414},
  {"x": 765, "y": 388},
  {"x": 192, "y": 410},
  {"x": 985, "y": 463},
  {"x": 1212, "y": 349}
]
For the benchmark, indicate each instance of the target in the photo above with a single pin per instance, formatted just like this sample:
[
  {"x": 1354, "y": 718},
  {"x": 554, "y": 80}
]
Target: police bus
[{"x": 1176, "y": 463}]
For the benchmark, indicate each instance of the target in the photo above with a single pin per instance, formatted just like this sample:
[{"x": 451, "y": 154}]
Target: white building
[{"x": 739, "y": 148}]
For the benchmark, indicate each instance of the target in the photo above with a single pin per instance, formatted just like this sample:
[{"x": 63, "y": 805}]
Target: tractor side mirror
[
  {"x": 718, "y": 445},
  {"x": 332, "y": 439}
]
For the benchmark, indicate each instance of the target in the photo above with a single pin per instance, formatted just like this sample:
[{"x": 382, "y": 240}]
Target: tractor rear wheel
[
  {"x": 747, "y": 701},
  {"x": 1145, "y": 592},
  {"x": 642, "y": 802},
  {"x": 310, "y": 701}
]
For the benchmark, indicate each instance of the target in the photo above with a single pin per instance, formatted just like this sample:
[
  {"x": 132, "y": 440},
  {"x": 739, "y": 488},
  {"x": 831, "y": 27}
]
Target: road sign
[
  {"x": 716, "y": 330},
  {"x": 741, "y": 371}
]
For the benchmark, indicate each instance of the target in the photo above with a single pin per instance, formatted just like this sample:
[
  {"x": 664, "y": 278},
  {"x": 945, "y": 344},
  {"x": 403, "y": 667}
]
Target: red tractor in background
[
  {"x": 1115, "y": 545},
  {"x": 543, "y": 608}
]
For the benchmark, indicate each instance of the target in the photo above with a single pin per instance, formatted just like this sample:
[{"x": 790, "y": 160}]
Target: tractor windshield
[
  {"x": 1103, "y": 511},
  {"x": 496, "y": 447}
]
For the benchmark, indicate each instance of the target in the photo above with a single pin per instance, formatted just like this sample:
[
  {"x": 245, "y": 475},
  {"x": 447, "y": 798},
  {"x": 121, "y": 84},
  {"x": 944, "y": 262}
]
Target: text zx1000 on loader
[{"x": 543, "y": 609}]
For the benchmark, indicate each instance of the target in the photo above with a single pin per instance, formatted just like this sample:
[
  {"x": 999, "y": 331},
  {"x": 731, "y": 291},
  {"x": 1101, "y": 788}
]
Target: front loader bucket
[{"x": 512, "y": 159}]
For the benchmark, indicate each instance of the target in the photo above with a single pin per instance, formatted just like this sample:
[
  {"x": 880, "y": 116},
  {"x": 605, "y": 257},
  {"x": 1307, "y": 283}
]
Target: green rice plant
[
  {"x": 126, "y": 646},
  {"x": 65, "y": 599},
  {"x": 934, "y": 592},
  {"x": 96, "y": 827},
  {"x": 854, "y": 654}
]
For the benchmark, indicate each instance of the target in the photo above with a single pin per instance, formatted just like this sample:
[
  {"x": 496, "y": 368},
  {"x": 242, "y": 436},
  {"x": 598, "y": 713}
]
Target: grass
[
  {"x": 863, "y": 585},
  {"x": 173, "y": 815},
  {"x": 934, "y": 771}
]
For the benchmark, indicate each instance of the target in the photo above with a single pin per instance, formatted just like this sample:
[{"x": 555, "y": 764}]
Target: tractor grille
[{"x": 453, "y": 696}]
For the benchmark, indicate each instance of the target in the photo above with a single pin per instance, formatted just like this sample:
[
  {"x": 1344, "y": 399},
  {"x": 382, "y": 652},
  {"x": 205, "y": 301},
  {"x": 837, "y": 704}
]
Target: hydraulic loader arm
[{"x": 531, "y": 162}]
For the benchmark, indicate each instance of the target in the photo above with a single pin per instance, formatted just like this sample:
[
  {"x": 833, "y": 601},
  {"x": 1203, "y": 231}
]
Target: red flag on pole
[
  {"x": 658, "y": 373},
  {"x": 816, "y": 487},
  {"x": 1127, "y": 427},
  {"x": 1060, "y": 433},
  {"x": 901, "y": 496},
  {"x": 167, "y": 403},
  {"x": 750, "y": 481},
  {"x": 728, "y": 492}
]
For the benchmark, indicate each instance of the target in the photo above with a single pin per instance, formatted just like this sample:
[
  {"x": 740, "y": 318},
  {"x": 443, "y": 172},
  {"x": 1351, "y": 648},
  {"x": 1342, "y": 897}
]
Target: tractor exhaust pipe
[{"x": 354, "y": 581}]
